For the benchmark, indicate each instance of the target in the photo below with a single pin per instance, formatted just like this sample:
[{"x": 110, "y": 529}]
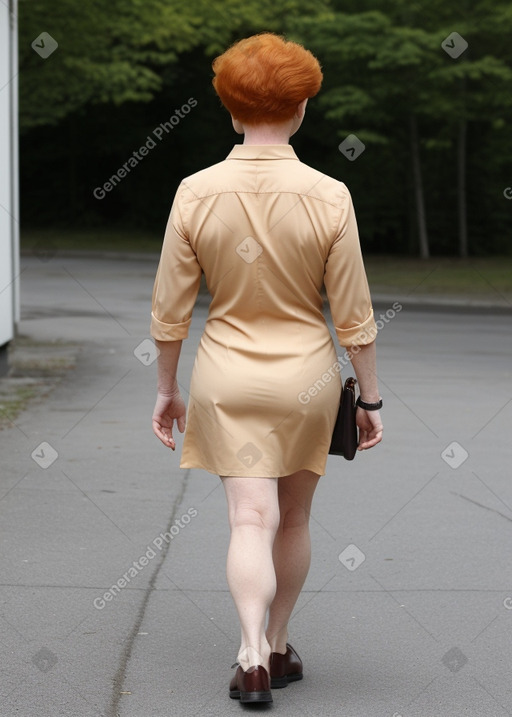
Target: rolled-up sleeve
[
  {"x": 346, "y": 283},
  {"x": 177, "y": 280}
]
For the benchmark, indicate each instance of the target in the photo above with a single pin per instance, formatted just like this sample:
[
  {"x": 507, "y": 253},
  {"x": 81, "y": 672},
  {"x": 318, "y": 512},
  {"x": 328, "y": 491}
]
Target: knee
[
  {"x": 262, "y": 517},
  {"x": 294, "y": 518}
]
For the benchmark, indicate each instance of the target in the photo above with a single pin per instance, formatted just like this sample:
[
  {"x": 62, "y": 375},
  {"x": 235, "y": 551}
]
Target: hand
[
  {"x": 370, "y": 428},
  {"x": 167, "y": 410}
]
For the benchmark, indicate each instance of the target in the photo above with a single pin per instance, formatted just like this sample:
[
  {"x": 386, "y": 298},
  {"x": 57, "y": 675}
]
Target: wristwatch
[{"x": 369, "y": 406}]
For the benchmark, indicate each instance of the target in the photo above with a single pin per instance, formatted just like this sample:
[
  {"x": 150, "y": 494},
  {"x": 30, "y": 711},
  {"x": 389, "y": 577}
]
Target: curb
[{"x": 443, "y": 304}]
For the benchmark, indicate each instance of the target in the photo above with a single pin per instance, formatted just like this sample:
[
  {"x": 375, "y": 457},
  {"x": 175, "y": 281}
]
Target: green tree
[
  {"x": 122, "y": 51},
  {"x": 392, "y": 77},
  {"x": 390, "y": 60},
  {"x": 473, "y": 89},
  {"x": 434, "y": 126}
]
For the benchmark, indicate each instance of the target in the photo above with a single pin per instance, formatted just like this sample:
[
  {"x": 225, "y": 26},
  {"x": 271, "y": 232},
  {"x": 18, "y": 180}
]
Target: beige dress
[{"x": 267, "y": 231}]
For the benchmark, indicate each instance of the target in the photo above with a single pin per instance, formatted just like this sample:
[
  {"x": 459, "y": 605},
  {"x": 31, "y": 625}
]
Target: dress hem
[{"x": 260, "y": 474}]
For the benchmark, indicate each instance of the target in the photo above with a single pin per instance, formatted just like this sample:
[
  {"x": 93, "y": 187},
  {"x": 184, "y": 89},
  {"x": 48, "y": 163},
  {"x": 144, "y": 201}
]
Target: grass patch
[
  {"x": 15, "y": 402},
  {"x": 478, "y": 277},
  {"x": 35, "y": 368}
]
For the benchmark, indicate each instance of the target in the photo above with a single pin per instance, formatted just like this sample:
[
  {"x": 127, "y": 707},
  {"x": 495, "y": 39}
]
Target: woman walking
[{"x": 268, "y": 232}]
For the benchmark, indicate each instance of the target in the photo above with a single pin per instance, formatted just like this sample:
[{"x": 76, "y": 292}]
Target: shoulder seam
[{"x": 198, "y": 197}]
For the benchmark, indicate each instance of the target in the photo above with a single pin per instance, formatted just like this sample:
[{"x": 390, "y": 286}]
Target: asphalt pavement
[{"x": 113, "y": 596}]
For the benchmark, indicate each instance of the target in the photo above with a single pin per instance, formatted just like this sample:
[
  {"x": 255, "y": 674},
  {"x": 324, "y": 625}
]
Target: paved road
[{"x": 408, "y": 606}]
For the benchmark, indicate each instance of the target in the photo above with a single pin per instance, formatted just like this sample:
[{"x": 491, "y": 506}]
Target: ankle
[
  {"x": 252, "y": 657},
  {"x": 278, "y": 642}
]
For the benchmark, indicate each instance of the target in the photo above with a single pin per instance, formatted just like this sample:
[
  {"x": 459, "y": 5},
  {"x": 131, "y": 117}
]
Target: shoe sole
[
  {"x": 278, "y": 682},
  {"x": 245, "y": 697}
]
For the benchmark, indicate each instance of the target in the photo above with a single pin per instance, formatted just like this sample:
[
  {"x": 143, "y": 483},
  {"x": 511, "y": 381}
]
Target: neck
[{"x": 267, "y": 134}]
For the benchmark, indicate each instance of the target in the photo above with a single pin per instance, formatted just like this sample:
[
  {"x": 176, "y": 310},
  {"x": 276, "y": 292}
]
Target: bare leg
[
  {"x": 291, "y": 552},
  {"x": 253, "y": 510}
]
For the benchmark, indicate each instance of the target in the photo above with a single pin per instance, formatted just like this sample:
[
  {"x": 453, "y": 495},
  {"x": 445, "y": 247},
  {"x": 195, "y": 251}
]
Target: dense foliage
[{"x": 431, "y": 113}]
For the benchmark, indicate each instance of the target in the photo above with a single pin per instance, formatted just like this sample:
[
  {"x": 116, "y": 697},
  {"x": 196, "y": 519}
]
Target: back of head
[{"x": 264, "y": 77}]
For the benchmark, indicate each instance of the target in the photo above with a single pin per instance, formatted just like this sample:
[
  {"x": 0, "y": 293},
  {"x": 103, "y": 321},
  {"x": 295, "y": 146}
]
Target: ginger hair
[{"x": 263, "y": 78}]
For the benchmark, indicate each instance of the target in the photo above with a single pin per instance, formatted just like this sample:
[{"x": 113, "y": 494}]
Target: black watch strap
[{"x": 369, "y": 406}]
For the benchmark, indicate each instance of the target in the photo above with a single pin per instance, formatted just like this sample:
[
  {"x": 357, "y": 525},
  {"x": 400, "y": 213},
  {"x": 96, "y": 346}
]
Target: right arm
[
  {"x": 351, "y": 308},
  {"x": 369, "y": 422},
  {"x": 174, "y": 294}
]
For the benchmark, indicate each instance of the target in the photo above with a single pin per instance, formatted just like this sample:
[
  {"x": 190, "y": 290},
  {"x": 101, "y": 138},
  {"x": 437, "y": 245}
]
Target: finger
[
  {"x": 181, "y": 421},
  {"x": 371, "y": 441},
  {"x": 164, "y": 434}
]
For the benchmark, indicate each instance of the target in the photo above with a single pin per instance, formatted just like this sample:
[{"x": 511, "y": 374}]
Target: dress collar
[{"x": 262, "y": 151}]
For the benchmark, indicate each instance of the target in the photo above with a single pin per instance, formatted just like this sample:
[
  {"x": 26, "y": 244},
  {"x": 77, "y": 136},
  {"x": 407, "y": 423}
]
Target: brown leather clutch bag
[{"x": 344, "y": 437}]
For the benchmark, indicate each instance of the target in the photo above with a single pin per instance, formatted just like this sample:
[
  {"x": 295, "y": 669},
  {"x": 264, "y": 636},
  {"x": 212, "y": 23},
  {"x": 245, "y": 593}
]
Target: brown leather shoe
[
  {"x": 285, "y": 668},
  {"x": 252, "y": 685}
]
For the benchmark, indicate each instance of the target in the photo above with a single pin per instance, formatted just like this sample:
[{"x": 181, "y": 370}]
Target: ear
[
  {"x": 237, "y": 125},
  {"x": 301, "y": 108}
]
